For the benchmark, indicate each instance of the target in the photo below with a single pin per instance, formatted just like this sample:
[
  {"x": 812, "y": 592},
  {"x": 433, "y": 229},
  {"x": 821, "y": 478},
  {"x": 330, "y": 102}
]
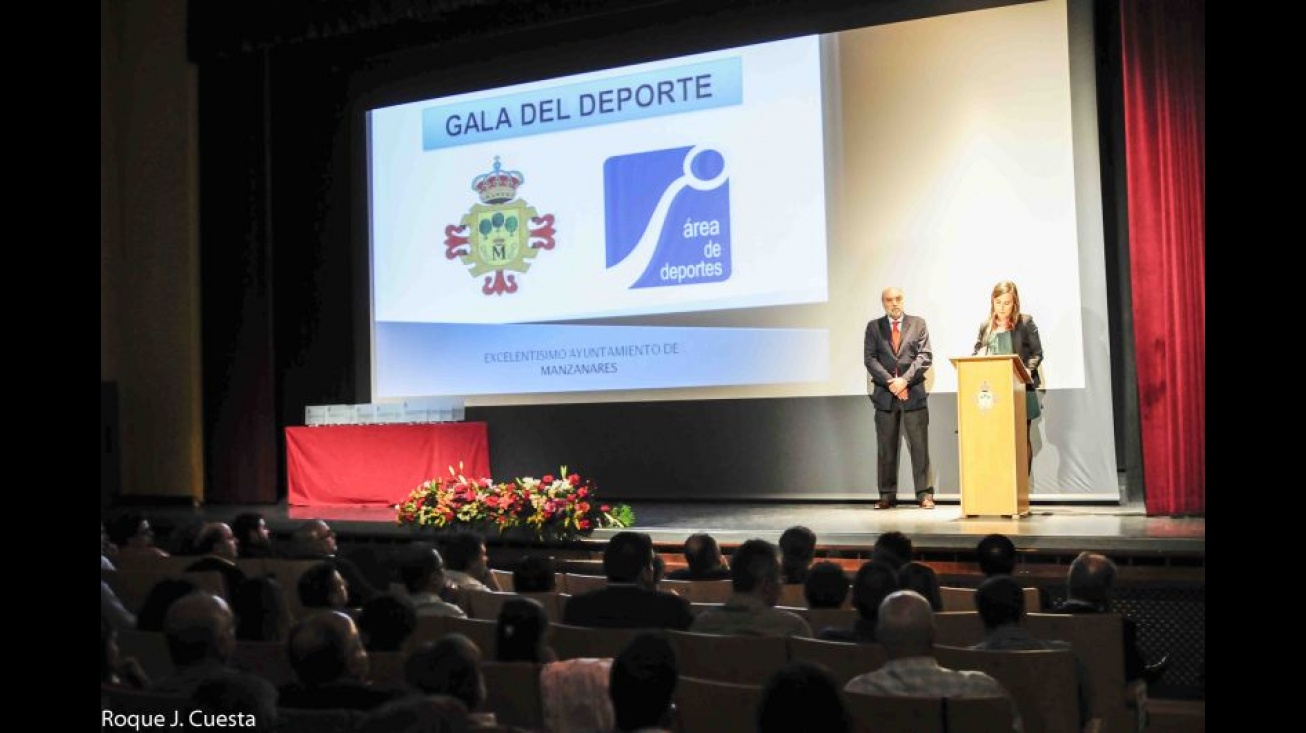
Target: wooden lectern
[{"x": 993, "y": 443}]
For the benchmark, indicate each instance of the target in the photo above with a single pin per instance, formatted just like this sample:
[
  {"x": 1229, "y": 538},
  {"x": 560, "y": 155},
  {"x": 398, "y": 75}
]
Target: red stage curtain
[{"x": 1164, "y": 70}]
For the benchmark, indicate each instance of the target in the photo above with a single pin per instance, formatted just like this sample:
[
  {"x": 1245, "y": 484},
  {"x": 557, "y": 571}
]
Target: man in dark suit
[
  {"x": 897, "y": 354},
  {"x": 629, "y": 601}
]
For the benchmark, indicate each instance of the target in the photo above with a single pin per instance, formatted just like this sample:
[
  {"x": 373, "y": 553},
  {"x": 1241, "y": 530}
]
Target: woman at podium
[{"x": 1008, "y": 331}]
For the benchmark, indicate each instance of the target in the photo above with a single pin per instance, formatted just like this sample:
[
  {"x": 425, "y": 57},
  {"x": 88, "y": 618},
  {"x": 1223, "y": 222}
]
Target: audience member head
[
  {"x": 243, "y": 694},
  {"x": 522, "y": 632},
  {"x": 159, "y": 599},
  {"x": 418, "y": 714},
  {"x": 802, "y": 695},
  {"x": 826, "y": 585},
  {"x": 534, "y": 574},
  {"x": 466, "y": 552},
  {"x": 905, "y": 625},
  {"x": 702, "y": 553},
  {"x": 386, "y": 622},
  {"x": 642, "y": 681},
  {"x": 322, "y": 586},
  {"x": 659, "y": 572},
  {"x": 325, "y": 647},
  {"x": 421, "y": 568},
  {"x": 314, "y": 538},
  {"x": 216, "y": 538},
  {"x": 449, "y": 666},
  {"x": 199, "y": 628},
  {"x": 921, "y": 578},
  {"x": 628, "y": 558},
  {"x": 109, "y": 653},
  {"x": 893, "y": 548},
  {"x": 755, "y": 570},
  {"x": 184, "y": 540},
  {"x": 252, "y": 536},
  {"x": 130, "y": 529},
  {"x": 797, "y": 548},
  {"x": 1091, "y": 579},
  {"x": 261, "y": 610},
  {"x": 996, "y": 554},
  {"x": 874, "y": 581},
  {"x": 1000, "y": 601}
]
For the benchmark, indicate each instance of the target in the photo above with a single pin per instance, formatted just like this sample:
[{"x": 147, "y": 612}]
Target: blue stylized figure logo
[{"x": 668, "y": 217}]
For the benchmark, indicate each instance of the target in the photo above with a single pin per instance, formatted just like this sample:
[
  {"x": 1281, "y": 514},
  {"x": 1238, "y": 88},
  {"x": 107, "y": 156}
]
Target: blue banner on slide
[
  {"x": 668, "y": 91},
  {"x": 462, "y": 359}
]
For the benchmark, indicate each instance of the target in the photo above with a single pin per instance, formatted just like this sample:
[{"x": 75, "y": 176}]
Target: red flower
[
  {"x": 583, "y": 507},
  {"x": 582, "y": 491},
  {"x": 548, "y": 479},
  {"x": 583, "y": 524},
  {"x": 574, "y": 479},
  {"x": 605, "y": 508}
]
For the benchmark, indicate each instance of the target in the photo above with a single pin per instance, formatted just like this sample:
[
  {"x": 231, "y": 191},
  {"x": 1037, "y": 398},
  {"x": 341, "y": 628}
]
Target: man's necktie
[{"x": 897, "y": 337}]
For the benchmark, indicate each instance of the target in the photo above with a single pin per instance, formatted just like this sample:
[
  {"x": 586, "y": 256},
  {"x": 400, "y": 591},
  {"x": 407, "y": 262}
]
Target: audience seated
[
  {"x": 467, "y": 562},
  {"x": 802, "y": 696},
  {"x": 422, "y": 571},
  {"x": 315, "y": 540},
  {"x": 115, "y": 669},
  {"x": 629, "y": 600},
  {"x": 201, "y": 633},
  {"x": 641, "y": 684},
  {"x": 261, "y": 610},
  {"x": 1000, "y": 602},
  {"x": 243, "y": 701},
  {"x": 534, "y": 574},
  {"x": 703, "y": 559},
  {"x": 574, "y": 691},
  {"x": 996, "y": 555},
  {"x": 252, "y": 536},
  {"x": 451, "y": 666},
  {"x": 755, "y": 578},
  {"x": 874, "y": 581},
  {"x": 521, "y": 632},
  {"x": 160, "y": 598},
  {"x": 216, "y": 545},
  {"x": 386, "y": 622},
  {"x": 797, "y": 549},
  {"x": 323, "y": 587},
  {"x": 892, "y": 548},
  {"x": 418, "y": 714},
  {"x": 330, "y": 665},
  {"x": 113, "y": 610},
  {"x": 1090, "y": 583},
  {"x": 184, "y": 540},
  {"x": 134, "y": 537},
  {"x": 921, "y": 578},
  {"x": 826, "y": 585},
  {"x": 905, "y": 627}
]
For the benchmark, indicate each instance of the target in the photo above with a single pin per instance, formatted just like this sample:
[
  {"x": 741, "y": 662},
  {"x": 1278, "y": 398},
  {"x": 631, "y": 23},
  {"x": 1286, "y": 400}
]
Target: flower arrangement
[{"x": 554, "y": 508}]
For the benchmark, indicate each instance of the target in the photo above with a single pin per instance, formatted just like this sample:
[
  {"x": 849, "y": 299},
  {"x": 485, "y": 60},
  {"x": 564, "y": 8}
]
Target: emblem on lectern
[{"x": 985, "y": 399}]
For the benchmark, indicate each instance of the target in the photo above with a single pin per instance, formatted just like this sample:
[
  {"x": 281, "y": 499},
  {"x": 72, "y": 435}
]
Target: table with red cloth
[{"x": 378, "y": 465}]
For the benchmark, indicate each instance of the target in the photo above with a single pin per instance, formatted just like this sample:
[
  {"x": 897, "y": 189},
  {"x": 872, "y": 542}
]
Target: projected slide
[{"x": 642, "y": 191}]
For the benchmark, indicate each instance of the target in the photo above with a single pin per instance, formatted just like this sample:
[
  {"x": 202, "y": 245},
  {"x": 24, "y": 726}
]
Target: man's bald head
[
  {"x": 1091, "y": 578},
  {"x": 199, "y": 627},
  {"x": 905, "y": 625},
  {"x": 325, "y": 647}
]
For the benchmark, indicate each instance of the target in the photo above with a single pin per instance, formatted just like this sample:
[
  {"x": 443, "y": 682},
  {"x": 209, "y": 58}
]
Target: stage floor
[{"x": 1052, "y": 528}]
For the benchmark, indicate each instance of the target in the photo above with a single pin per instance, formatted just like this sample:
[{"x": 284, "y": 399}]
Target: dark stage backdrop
[{"x": 283, "y": 233}]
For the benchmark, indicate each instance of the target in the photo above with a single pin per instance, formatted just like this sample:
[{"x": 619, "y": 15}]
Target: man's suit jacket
[
  {"x": 914, "y": 357},
  {"x": 628, "y": 607},
  {"x": 1024, "y": 341}
]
